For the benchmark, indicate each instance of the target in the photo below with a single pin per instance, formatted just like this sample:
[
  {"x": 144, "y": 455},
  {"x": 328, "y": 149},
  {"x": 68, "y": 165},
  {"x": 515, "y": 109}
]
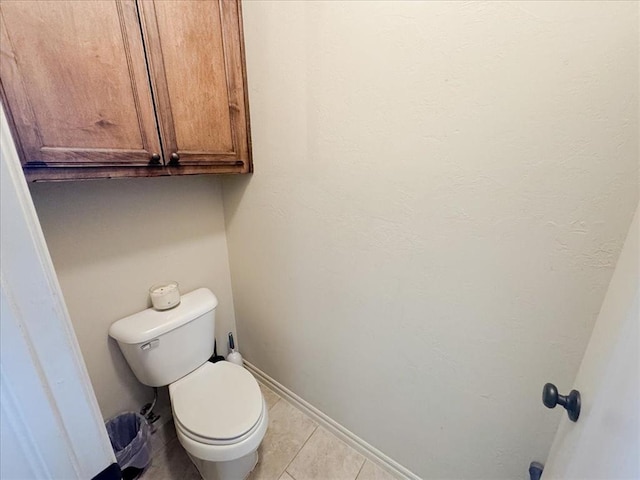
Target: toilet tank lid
[{"x": 150, "y": 323}]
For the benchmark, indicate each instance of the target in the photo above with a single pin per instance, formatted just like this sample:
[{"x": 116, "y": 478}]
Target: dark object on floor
[
  {"x": 112, "y": 472},
  {"x": 535, "y": 470},
  {"x": 131, "y": 473},
  {"x": 215, "y": 358},
  {"x": 130, "y": 436}
]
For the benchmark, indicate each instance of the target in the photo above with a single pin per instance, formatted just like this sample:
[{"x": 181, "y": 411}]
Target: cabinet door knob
[
  {"x": 571, "y": 402},
  {"x": 175, "y": 159},
  {"x": 155, "y": 159}
]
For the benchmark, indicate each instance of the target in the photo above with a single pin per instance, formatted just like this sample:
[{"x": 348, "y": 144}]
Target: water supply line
[{"x": 147, "y": 410}]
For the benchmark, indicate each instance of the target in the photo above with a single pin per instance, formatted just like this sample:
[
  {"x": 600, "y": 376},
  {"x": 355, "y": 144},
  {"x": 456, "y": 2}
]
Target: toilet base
[{"x": 237, "y": 469}]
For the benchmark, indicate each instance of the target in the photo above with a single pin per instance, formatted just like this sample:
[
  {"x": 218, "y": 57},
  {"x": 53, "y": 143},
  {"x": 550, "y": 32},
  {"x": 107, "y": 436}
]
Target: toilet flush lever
[
  {"x": 149, "y": 345},
  {"x": 571, "y": 402}
]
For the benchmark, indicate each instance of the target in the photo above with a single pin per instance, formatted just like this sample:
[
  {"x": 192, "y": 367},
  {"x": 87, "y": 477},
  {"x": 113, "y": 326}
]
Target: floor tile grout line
[
  {"x": 364, "y": 459},
  {"x": 294, "y": 478},
  {"x": 271, "y": 407},
  {"x": 317, "y": 425},
  {"x": 300, "y": 449},
  {"x": 307, "y": 439},
  {"x": 274, "y": 393},
  {"x": 360, "y": 471},
  {"x": 367, "y": 450}
]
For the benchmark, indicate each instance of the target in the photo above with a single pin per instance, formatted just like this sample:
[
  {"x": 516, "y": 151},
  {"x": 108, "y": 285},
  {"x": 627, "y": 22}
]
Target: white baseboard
[{"x": 351, "y": 439}]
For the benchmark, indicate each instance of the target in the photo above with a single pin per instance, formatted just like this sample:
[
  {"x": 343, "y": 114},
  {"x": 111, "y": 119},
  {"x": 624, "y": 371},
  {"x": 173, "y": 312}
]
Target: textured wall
[
  {"x": 440, "y": 196},
  {"x": 110, "y": 240}
]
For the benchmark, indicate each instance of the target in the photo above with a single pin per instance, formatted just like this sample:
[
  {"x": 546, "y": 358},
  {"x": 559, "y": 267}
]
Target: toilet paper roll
[{"x": 164, "y": 295}]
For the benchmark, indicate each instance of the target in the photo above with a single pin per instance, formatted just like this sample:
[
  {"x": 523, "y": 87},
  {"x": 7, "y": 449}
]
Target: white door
[
  {"x": 605, "y": 441},
  {"x": 50, "y": 424}
]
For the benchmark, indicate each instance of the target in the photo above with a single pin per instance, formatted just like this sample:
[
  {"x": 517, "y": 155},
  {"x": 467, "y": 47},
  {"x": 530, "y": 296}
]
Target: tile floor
[{"x": 294, "y": 448}]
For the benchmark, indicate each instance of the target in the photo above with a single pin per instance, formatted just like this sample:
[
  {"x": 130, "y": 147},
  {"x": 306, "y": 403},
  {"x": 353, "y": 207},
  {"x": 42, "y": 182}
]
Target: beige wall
[
  {"x": 110, "y": 240},
  {"x": 440, "y": 196}
]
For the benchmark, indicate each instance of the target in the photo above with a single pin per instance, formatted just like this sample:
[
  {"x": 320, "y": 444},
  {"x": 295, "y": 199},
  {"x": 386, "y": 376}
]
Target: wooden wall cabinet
[{"x": 124, "y": 88}]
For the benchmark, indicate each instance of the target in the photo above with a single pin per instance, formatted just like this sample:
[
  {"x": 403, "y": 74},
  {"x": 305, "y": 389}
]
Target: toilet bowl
[
  {"x": 218, "y": 408},
  {"x": 221, "y": 418}
]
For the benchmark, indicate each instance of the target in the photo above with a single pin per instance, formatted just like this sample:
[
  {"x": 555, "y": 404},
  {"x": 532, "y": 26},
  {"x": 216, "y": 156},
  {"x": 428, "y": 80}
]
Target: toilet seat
[
  {"x": 215, "y": 441},
  {"x": 223, "y": 453},
  {"x": 217, "y": 404}
]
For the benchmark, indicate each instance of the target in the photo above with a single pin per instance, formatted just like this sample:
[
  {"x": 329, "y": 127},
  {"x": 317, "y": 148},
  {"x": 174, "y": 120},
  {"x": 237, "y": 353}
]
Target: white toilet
[{"x": 218, "y": 409}]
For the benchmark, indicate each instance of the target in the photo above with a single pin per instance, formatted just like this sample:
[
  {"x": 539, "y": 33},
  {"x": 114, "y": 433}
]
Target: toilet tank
[{"x": 163, "y": 346}]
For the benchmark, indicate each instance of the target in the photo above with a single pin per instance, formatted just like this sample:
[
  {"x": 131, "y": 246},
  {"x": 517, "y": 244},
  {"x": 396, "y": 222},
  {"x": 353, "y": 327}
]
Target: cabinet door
[
  {"x": 75, "y": 84},
  {"x": 196, "y": 60}
]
